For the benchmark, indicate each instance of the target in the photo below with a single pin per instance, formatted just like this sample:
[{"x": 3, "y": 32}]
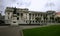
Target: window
[
  {"x": 8, "y": 13},
  {"x": 38, "y": 14},
  {"x": 36, "y": 21},
  {"x": 21, "y": 14},
  {"x": 8, "y": 17},
  {"x": 17, "y": 18},
  {"x": 39, "y": 21},
  {"x": 18, "y": 14},
  {"x": 26, "y": 16},
  {"x": 33, "y": 21},
  {"x": 30, "y": 21},
  {"x": 26, "y": 21},
  {"x": 46, "y": 14},
  {"x": 41, "y": 14},
  {"x": 14, "y": 22},
  {"x": 30, "y": 16},
  {"x": 14, "y": 16},
  {"x": 33, "y": 14}
]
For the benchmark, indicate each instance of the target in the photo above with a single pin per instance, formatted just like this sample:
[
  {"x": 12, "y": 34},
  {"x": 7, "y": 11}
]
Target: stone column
[
  {"x": 42, "y": 19},
  {"x": 34, "y": 16},
  {"x": 19, "y": 16},
  {"x": 31, "y": 16},
  {"x": 48, "y": 18},
  {"x": 27, "y": 16},
  {"x": 54, "y": 19}
]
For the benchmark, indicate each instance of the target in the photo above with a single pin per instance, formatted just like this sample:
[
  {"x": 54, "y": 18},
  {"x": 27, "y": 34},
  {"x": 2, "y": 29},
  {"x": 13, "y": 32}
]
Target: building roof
[
  {"x": 35, "y": 12},
  {"x": 58, "y": 13},
  {"x": 11, "y": 9},
  {"x": 17, "y": 8}
]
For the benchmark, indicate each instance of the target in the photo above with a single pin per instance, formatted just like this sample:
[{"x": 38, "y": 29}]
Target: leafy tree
[
  {"x": 52, "y": 18},
  {"x": 2, "y": 22},
  {"x": 38, "y": 18},
  {"x": 45, "y": 18},
  {"x": 57, "y": 19}
]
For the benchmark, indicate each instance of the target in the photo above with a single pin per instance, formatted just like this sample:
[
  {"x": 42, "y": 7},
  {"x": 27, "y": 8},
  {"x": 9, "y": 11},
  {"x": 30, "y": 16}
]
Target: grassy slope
[{"x": 43, "y": 31}]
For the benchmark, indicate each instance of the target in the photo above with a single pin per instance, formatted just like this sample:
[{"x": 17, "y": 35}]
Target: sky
[{"x": 32, "y": 5}]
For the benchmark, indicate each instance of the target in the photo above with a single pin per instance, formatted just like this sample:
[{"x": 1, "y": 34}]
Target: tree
[
  {"x": 45, "y": 18},
  {"x": 38, "y": 18},
  {"x": 57, "y": 19},
  {"x": 2, "y": 22},
  {"x": 52, "y": 18}
]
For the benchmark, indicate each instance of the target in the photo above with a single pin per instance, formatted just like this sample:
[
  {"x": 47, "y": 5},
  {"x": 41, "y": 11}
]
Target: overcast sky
[{"x": 33, "y": 5}]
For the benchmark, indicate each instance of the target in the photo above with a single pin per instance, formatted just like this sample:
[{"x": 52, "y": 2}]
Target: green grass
[{"x": 53, "y": 30}]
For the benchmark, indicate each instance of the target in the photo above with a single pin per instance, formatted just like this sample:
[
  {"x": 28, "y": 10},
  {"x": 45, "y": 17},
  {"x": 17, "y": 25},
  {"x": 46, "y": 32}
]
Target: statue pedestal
[{"x": 14, "y": 24}]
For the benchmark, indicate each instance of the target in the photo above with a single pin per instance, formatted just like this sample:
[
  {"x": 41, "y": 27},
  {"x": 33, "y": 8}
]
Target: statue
[{"x": 14, "y": 12}]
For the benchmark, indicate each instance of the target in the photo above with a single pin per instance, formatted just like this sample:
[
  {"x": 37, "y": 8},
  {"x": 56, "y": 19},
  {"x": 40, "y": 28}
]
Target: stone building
[
  {"x": 2, "y": 19},
  {"x": 24, "y": 16}
]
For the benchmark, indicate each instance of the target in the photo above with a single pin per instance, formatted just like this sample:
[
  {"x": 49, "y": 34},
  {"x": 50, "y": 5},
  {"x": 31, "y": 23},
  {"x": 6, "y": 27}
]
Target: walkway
[{"x": 9, "y": 31}]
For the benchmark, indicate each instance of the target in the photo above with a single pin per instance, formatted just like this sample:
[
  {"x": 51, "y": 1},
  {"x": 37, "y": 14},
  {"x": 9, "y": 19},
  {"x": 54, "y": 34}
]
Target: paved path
[
  {"x": 9, "y": 31},
  {"x": 15, "y": 31}
]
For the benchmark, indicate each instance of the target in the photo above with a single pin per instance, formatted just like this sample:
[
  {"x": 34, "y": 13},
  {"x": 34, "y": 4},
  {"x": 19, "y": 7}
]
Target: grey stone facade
[{"x": 24, "y": 16}]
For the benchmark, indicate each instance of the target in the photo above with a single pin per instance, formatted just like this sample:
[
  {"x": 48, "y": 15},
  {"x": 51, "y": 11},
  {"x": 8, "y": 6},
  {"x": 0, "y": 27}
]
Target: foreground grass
[{"x": 53, "y": 30}]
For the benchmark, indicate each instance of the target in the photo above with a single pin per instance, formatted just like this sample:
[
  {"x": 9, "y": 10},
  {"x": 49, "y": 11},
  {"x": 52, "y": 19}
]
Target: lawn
[{"x": 53, "y": 30}]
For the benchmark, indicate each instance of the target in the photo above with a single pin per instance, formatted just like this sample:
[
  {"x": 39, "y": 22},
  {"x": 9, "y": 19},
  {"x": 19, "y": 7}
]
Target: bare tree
[{"x": 50, "y": 5}]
